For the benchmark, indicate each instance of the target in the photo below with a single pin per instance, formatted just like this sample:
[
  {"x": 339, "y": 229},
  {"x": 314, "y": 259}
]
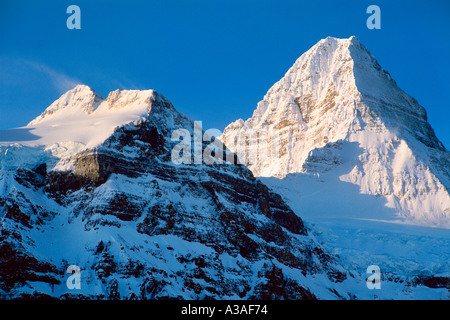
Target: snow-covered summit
[
  {"x": 82, "y": 119},
  {"x": 81, "y": 99},
  {"x": 337, "y": 110}
]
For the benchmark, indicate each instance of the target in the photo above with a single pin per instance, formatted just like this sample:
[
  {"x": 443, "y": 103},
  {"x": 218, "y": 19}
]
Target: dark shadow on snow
[{"x": 16, "y": 135}]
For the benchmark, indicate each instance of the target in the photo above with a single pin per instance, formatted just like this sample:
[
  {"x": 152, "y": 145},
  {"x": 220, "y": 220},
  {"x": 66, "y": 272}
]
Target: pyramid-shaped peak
[
  {"x": 328, "y": 63},
  {"x": 334, "y": 89},
  {"x": 343, "y": 65},
  {"x": 338, "y": 111},
  {"x": 337, "y": 50}
]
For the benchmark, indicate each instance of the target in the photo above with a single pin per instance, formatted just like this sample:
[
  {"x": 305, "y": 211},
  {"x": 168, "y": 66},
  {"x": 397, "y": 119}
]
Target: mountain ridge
[
  {"x": 98, "y": 189},
  {"x": 139, "y": 226}
]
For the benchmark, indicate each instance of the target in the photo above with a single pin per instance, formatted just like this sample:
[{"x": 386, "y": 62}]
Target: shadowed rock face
[
  {"x": 145, "y": 228},
  {"x": 18, "y": 267}
]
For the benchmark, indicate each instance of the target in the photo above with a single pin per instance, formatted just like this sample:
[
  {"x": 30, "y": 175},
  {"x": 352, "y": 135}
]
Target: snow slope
[{"x": 81, "y": 119}]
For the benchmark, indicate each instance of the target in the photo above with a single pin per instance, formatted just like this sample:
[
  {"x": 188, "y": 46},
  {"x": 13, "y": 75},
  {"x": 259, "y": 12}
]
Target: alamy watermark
[
  {"x": 374, "y": 280},
  {"x": 374, "y": 20},
  {"x": 74, "y": 281},
  {"x": 74, "y": 20}
]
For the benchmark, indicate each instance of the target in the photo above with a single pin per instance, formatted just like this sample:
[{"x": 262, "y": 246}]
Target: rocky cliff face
[
  {"x": 140, "y": 226},
  {"x": 336, "y": 110}
]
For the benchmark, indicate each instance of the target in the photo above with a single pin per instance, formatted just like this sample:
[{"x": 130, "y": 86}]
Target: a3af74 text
[{"x": 236, "y": 309}]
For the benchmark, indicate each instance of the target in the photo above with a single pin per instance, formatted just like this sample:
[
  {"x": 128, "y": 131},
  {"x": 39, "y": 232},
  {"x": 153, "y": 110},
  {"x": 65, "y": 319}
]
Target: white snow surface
[{"x": 80, "y": 119}]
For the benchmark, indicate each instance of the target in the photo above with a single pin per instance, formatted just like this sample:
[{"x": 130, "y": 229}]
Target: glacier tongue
[{"x": 337, "y": 92}]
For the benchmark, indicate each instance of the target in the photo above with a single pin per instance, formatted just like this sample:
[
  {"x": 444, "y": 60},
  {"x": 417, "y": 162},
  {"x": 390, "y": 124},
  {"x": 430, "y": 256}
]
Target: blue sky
[{"x": 213, "y": 59}]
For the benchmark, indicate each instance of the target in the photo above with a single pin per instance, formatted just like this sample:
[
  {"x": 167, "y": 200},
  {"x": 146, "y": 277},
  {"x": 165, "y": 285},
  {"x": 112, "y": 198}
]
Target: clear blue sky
[{"x": 213, "y": 59}]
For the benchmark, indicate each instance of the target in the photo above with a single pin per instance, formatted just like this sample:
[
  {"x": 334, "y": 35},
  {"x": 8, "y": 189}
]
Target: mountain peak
[
  {"x": 337, "y": 106},
  {"x": 82, "y": 119},
  {"x": 343, "y": 43},
  {"x": 79, "y": 99},
  {"x": 82, "y": 102},
  {"x": 333, "y": 76},
  {"x": 351, "y": 39},
  {"x": 118, "y": 99},
  {"x": 81, "y": 87}
]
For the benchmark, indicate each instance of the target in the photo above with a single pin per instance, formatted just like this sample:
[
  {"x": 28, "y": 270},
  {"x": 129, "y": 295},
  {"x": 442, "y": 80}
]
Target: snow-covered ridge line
[
  {"x": 81, "y": 119},
  {"x": 79, "y": 99}
]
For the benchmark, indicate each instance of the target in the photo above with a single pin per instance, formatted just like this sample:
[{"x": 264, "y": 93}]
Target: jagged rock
[{"x": 18, "y": 267}]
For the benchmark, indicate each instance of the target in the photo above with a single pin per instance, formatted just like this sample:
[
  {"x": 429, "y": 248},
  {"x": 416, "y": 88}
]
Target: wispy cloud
[
  {"x": 16, "y": 72},
  {"x": 60, "y": 81}
]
